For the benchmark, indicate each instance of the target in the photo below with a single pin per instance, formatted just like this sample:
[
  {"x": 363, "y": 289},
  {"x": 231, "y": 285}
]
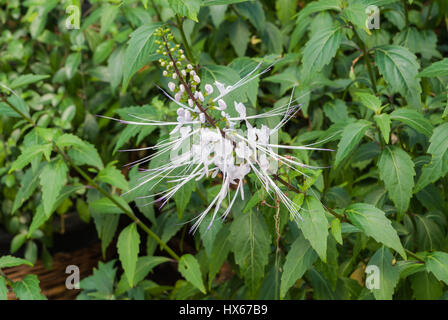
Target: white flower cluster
[{"x": 199, "y": 150}]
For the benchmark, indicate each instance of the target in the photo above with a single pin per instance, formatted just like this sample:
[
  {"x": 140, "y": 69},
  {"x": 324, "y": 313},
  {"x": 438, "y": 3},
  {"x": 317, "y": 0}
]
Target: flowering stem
[{"x": 187, "y": 88}]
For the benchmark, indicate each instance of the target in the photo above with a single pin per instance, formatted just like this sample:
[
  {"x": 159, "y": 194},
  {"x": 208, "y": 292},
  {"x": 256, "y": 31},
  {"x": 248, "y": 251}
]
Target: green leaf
[
  {"x": 71, "y": 64},
  {"x": 355, "y": 13},
  {"x": 108, "y": 15},
  {"x": 106, "y": 206},
  {"x": 299, "y": 258},
  {"x": 437, "y": 263},
  {"x": 128, "y": 249},
  {"x": 10, "y": 261},
  {"x": 429, "y": 234},
  {"x": 426, "y": 286},
  {"x": 29, "y": 183},
  {"x": 186, "y": 8},
  {"x": 191, "y": 271},
  {"x": 39, "y": 219},
  {"x": 388, "y": 274},
  {"x": 219, "y": 2},
  {"x": 374, "y": 223},
  {"x": 221, "y": 249},
  {"x": 30, "y": 153},
  {"x": 383, "y": 123},
  {"x": 141, "y": 50},
  {"x": 318, "y": 6},
  {"x": 111, "y": 175},
  {"x": 250, "y": 241},
  {"x": 351, "y": 136},
  {"x": 285, "y": 10},
  {"x": 314, "y": 225},
  {"x": 115, "y": 66},
  {"x": 183, "y": 195},
  {"x": 52, "y": 178},
  {"x": 321, "y": 48},
  {"x": 414, "y": 119},
  {"x": 438, "y": 167},
  {"x": 399, "y": 67},
  {"x": 336, "y": 231},
  {"x": 252, "y": 10},
  {"x": 103, "y": 51},
  {"x": 273, "y": 38},
  {"x": 3, "y": 289},
  {"x": 27, "y": 79},
  {"x": 397, "y": 171},
  {"x": 80, "y": 152},
  {"x": 369, "y": 100},
  {"x": 239, "y": 36},
  {"x": 439, "y": 68},
  {"x": 28, "y": 288}
]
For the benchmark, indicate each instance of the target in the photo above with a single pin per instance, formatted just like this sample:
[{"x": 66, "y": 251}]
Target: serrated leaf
[
  {"x": 71, "y": 64},
  {"x": 186, "y": 8},
  {"x": 383, "y": 123},
  {"x": 437, "y": 69},
  {"x": 29, "y": 183},
  {"x": 397, "y": 171},
  {"x": 191, "y": 271},
  {"x": 321, "y": 48},
  {"x": 28, "y": 288},
  {"x": 141, "y": 50},
  {"x": 106, "y": 206},
  {"x": 374, "y": 223},
  {"x": 27, "y": 79},
  {"x": 429, "y": 234},
  {"x": 314, "y": 225},
  {"x": 183, "y": 195},
  {"x": 437, "y": 263},
  {"x": 438, "y": 167},
  {"x": 299, "y": 258},
  {"x": 128, "y": 249},
  {"x": 52, "y": 178},
  {"x": 414, "y": 119},
  {"x": 351, "y": 136},
  {"x": 369, "y": 100},
  {"x": 425, "y": 286},
  {"x": 80, "y": 151},
  {"x": 250, "y": 241},
  {"x": 239, "y": 36},
  {"x": 30, "y": 153},
  {"x": 10, "y": 261},
  {"x": 221, "y": 249},
  {"x": 111, "y": 175},
  {"x": 399, "y": 67},
  {"x": 388, "y": 274},
  {"x": 336, "y": 230},
  {"x": 318, "y": 6}
]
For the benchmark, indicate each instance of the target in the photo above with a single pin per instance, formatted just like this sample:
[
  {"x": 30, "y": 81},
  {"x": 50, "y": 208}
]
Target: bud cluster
[{"x": 185, "y": 83}]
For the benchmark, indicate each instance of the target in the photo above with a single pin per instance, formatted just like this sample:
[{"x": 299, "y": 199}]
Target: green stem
[
  {"x": 180, "y": 26},
  {"x": 412, "y": 254},
  {"x": 19, "y": 112},
  {"x": 428, "y": 14},
  {"x": 129, "y": 213},
  {"x": 406, "y": 13},
  {"x": 366, "y": 60}
]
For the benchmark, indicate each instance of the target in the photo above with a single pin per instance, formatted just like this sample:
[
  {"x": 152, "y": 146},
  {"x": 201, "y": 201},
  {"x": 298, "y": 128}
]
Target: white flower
[
  {"x": 196, "y": 78},
  {"x": 241, "y": 109},
  {"x": 222, "y": 105},
  {"x": 208, "y": 88},
  {"x": 181, "y": 88},
  {"x": 227, "y": 153}
]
